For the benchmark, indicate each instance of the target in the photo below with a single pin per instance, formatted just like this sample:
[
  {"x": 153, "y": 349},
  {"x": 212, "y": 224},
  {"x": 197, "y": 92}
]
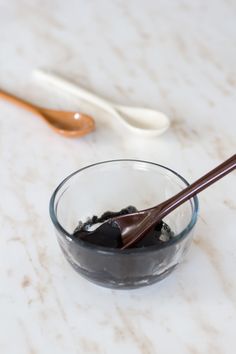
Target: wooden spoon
[
  {"x": 133, "y": 227},
  {"x": 71, "y": 124}
]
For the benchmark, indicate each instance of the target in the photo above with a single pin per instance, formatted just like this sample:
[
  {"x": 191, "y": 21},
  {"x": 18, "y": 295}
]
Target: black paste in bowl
[{"x": 110, "y": 237}]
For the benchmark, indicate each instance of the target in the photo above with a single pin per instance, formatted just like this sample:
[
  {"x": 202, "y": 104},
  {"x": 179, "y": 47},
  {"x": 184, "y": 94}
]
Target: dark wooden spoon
[{"x": 133, "y": 227}]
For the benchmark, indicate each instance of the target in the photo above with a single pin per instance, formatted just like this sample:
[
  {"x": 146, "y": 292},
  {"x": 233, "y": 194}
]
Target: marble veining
[{"x": 178, "y": 57}]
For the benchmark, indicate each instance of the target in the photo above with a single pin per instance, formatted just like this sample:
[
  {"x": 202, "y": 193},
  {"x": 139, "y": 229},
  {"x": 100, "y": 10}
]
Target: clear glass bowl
[{"x": 111, "y": 186}]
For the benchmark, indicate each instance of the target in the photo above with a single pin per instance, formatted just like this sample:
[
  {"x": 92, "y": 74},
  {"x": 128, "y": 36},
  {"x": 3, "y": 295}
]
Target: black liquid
[{"x": 109, "y": 235}]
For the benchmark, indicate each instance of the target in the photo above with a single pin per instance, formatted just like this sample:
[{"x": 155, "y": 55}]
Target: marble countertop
[{"x": 178, "y": 57}]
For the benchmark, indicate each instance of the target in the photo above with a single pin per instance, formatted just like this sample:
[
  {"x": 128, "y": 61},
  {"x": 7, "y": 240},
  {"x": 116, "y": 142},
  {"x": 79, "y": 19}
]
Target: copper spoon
[
  {"x": 71, "y": 124},
  {"x": 133, "y": 227}
]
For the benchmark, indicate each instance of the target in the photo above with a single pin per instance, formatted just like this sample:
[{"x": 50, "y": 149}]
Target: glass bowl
[{"x": 111, "y": 186}]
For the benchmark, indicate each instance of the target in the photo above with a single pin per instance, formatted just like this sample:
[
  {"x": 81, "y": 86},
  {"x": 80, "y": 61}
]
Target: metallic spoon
[
  {"x": 71, "y": 124},
  {"x": 142, "y": 121}
]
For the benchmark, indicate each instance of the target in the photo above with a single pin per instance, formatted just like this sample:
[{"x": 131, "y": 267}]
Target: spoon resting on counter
[
  {"x": 143, "y": 121},
  {"x": 70, "y": 124}
]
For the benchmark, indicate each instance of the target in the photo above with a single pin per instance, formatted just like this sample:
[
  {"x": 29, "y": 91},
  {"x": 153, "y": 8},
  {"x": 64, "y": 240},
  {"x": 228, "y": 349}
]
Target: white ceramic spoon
[{"x": 143, "y": 121}]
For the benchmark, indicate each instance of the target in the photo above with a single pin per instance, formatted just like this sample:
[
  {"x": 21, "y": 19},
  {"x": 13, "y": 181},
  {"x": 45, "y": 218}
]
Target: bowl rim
[{"x": 176, "y": 239}]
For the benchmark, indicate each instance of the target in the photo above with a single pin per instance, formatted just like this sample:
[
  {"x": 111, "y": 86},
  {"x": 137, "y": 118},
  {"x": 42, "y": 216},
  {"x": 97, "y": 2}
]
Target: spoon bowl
[
  {"x": 144, "y": 121},
  {"x": 68, "y": 123}
]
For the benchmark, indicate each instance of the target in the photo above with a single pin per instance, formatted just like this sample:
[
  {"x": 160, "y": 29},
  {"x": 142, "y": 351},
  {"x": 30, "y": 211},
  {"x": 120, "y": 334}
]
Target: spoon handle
[
  {"x": 198, "y": 186},
  {"x": 74, "y": 89},
  {"x": 19, "y": 101}
]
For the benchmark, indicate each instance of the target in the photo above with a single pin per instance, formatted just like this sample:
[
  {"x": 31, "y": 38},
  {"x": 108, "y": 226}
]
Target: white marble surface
[{"x": 176, "y": 56}]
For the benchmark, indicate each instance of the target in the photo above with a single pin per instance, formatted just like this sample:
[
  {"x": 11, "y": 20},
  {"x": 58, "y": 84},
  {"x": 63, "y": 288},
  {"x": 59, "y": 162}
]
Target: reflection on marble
[{"x": 178, "y": 57}]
